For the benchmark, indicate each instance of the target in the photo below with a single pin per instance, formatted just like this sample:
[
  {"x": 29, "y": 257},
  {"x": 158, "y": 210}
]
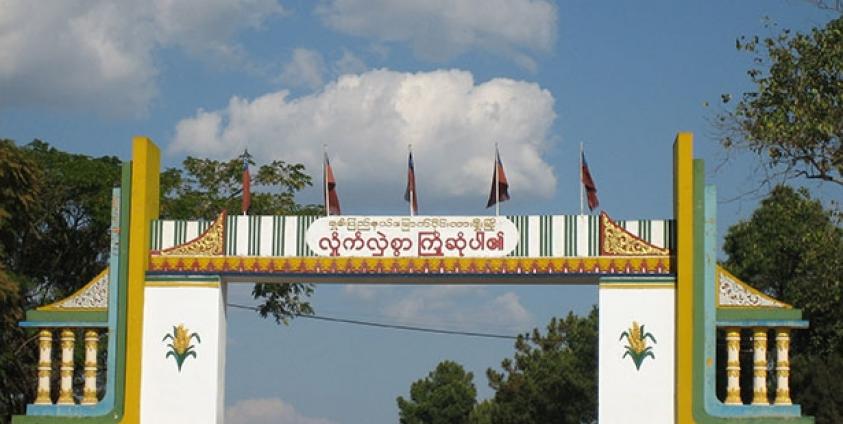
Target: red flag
[
  {"x": 590, "y": 188},
  {"x": 331, "y": 198},
  {"x": 410, "y": 194},
  {"x": 500, "y": 187},
  {"x": 247, "y": 185}
]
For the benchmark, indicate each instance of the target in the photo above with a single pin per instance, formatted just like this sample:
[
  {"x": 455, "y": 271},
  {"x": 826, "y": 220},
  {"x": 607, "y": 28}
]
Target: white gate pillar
[
  {"x": 637, "y": 348},
  {"x": 183, "y": 361}
]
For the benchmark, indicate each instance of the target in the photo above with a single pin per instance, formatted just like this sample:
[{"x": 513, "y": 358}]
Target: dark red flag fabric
[
  {"x": 247, "y": 185},
  {"x": 590, "y": 188},
  {"x": 410, "y": 194},
  {"x": 500, "y": 187},
  {"x": 333, "y": 206}
]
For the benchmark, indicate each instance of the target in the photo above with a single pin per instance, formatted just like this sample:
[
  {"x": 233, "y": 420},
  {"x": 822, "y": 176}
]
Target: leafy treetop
[{"x": 794, "y": 117}]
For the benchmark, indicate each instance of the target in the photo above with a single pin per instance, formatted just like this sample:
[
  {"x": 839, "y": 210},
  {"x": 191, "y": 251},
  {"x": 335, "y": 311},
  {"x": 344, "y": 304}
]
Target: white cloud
[
  {"x": 368, "y": 120},
  {"x": 267, "y": 411},
  {"x": 508, "y": 307},
  {"x": 349, "y": 63},
  {"x": 305, "y": 69},
  {"x": 461, "y": 307},
  {"x": 99, "y": 54},
  {"x": 440, "y": 29}
]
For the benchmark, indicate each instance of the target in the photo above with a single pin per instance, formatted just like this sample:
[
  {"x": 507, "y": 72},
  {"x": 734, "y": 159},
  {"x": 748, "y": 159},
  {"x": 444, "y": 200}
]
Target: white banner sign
[{"x": 454, "y": 236}]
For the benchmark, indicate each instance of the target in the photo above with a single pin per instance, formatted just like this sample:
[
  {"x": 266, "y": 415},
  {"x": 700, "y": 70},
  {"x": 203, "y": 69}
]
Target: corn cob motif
[
  {"x": 637, "y": 348},
  {"x": 180, "y": 348}
]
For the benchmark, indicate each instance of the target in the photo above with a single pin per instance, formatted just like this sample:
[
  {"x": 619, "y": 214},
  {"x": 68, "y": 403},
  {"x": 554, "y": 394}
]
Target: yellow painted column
[
  {"x": 782, "y": 366},
  {"x": 146, "y": 160},
  {"x": 68, "y": 339},
  {"x": 683, "y": 212},
  {"x": 733, "y": 366},
  {"x": 45, "y": 366},
  {"x": 759, "y": 367},
  {"x": 89, "y": 394}
]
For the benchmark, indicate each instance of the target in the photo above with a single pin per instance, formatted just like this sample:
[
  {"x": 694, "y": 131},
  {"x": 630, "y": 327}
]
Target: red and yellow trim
[{"x": 658, "y": 265}]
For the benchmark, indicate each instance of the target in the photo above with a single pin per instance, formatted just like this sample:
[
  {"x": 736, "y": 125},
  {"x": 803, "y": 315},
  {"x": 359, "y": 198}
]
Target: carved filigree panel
[
  {"x": 92, "y": 296},
  {"x": 735, "y": 293},
  {"x": 209, "y": 243},
  {"x": 616, "y": 240}
]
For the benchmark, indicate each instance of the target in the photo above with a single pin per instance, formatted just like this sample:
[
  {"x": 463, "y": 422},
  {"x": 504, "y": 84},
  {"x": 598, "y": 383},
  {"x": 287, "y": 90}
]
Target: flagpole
[
  {"x": 497, "y": 184},
  {"x": 325, "y": 180},
  {"x": 245, "y": 158},
  {"x": 412, "y": 189},
  {"x": 582, "y": 206}
]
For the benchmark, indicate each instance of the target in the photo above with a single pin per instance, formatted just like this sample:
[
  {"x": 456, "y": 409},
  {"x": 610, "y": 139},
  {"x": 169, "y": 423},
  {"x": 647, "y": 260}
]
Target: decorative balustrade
[
  {"x": 760, "y": 364},
  {"x": 67, "y": 366}
]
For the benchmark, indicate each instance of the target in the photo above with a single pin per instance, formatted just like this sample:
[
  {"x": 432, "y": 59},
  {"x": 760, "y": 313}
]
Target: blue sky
[{"x": 367, "y": 78}]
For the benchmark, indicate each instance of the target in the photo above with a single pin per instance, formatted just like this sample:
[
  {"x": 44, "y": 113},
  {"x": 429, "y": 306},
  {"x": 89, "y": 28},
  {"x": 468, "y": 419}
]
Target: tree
[
  {"x": 446, "y": 396},
  {"x": 20, "y": 180},
  {"x": 482, "y": 412},
  {"x": 61, "y": 240},
  {"x": 792, "y": 249},
  {"x": 55, "y": 213},
  {"x": 794, "y": 118},
  {"x": 206, "y": 187},
  {"x": 552, "y": 378}
]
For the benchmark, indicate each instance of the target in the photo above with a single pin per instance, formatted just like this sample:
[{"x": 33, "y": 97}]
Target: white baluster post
[
  {"x": 733, "y": 366},
  {"x": 68, "y": 340},
  {"x": 759, "y": 364},
  {"x": 45, "y": 366},
  {"x": 89, "y": 396},
  {"x": 782, "y": 366}
]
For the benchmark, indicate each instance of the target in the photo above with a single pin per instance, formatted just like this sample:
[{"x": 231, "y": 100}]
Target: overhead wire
[{"x": 390, "y": 326}]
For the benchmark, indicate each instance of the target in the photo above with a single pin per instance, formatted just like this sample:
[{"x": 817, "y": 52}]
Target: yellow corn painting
[
  {"x": 180, "y": 347},
  {"x": 637, "y": 348}
]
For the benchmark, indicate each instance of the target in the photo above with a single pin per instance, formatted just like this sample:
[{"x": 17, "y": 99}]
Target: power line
[{"x": 390, "y": 326}]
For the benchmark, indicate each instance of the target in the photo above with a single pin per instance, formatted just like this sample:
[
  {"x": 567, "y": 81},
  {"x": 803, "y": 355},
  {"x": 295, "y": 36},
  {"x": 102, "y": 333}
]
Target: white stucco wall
[
  {"x": 194, "y": 394},
  {"x": 627, "y": 394}
]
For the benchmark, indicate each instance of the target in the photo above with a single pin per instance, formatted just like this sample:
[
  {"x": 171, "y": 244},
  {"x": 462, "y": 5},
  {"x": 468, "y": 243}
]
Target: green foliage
[
  {"x": 792, "y": 249},
  {"x": 206, "y": 187},
  {"x": 552, "y": 378},
  {"x": 817, "y": 386},
  {"x": 482, "y": 412},
  {"x": 446, "y": 396},
  {"x": 20, "y": 181},
  {"x": 794, "y": 118},
  {"x": 62, "y": 242},
  {"x": 55, "y": 213}
]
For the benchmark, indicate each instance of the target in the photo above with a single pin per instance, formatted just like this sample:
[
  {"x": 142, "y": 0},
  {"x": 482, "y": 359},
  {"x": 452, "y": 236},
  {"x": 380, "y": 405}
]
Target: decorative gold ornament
[
  {"x": 68, "y": 338},
  {"x": 616, "y": 240},
  {"x": 89, "y": 396},
  {"x": 209, "y": 243},
  {"x": 43, "y": 397}
]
